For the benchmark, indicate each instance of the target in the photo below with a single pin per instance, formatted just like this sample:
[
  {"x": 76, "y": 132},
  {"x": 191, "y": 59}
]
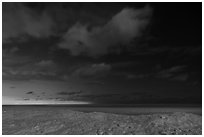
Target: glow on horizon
[
  {"x": 16, "y": 101},
  {"x": 16, "y": 96}
]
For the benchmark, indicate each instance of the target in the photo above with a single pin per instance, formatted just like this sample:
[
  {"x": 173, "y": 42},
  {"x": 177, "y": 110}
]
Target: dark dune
[{"x": 41, "y": 120}]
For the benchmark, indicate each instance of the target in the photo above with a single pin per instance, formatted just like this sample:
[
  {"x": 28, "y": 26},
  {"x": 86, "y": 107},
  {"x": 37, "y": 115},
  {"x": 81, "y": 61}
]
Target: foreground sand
[{"x": 59, "y": 121}]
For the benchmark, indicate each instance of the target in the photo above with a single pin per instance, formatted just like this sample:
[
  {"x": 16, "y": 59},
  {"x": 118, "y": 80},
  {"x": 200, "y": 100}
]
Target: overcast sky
[{"x": 102, "y": 53}]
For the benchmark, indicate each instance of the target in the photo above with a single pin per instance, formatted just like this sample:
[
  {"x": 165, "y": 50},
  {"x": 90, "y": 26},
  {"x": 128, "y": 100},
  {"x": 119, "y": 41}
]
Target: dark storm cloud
[
  {"x": 11, "y": 59},
  {"x": 180, "y": 77},
  {"x": 30, "y": 92},
  {"x": 175, "y": 73},
  {"x": 92, "y": 70},
  {"x": 149, "y": 49},
  {"x": 95, "y": 82},
  {"x": 20, "y": 21},
  {"x": 170, "y": 71},
  {"x": 46, "y": 63},
  {"x": 17, "y": 67},
  {"x": 120, "y": 30},
  {"x": 133, "y": 97},
  {"x": 26, "y": 99},
  {"x": 63, "y": 93},
  {"x": 11, "y": 63},
  {"x": 12, "y": 87},
  {"x": 69, "y": 93},
  {"x": 43, "y": 93},
  {"x": 29, "y": 69},
  {"x": 129, "y": 75},
  {"x": 28, "y": 75}
]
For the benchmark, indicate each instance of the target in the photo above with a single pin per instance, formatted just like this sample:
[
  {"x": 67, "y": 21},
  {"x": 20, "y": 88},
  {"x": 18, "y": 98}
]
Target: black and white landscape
[{"x": 101, "y": 68}]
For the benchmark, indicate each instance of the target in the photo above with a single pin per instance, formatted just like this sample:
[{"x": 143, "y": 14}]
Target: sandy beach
[{"x": 52, "y": 121}]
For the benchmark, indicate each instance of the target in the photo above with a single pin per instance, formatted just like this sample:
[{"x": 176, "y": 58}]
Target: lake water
[
  {"x": 129, "y": 110},
  {"x": 139, "y": 110}
]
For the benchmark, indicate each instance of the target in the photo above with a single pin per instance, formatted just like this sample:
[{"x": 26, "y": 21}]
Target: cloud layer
[
  {"x": 27, "y": 69},
  {"x": 119, "y": 31},
  {"x": 93, "y": 70},
  {"x": 19, "y": 20}
]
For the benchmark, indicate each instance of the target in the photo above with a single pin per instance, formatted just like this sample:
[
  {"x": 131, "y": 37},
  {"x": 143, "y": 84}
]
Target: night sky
[{"x": 102, "y": 53}]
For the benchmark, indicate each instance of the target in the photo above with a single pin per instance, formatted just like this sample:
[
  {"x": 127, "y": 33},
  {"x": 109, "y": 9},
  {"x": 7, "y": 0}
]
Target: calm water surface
[{"x": 130, "y": 110}]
